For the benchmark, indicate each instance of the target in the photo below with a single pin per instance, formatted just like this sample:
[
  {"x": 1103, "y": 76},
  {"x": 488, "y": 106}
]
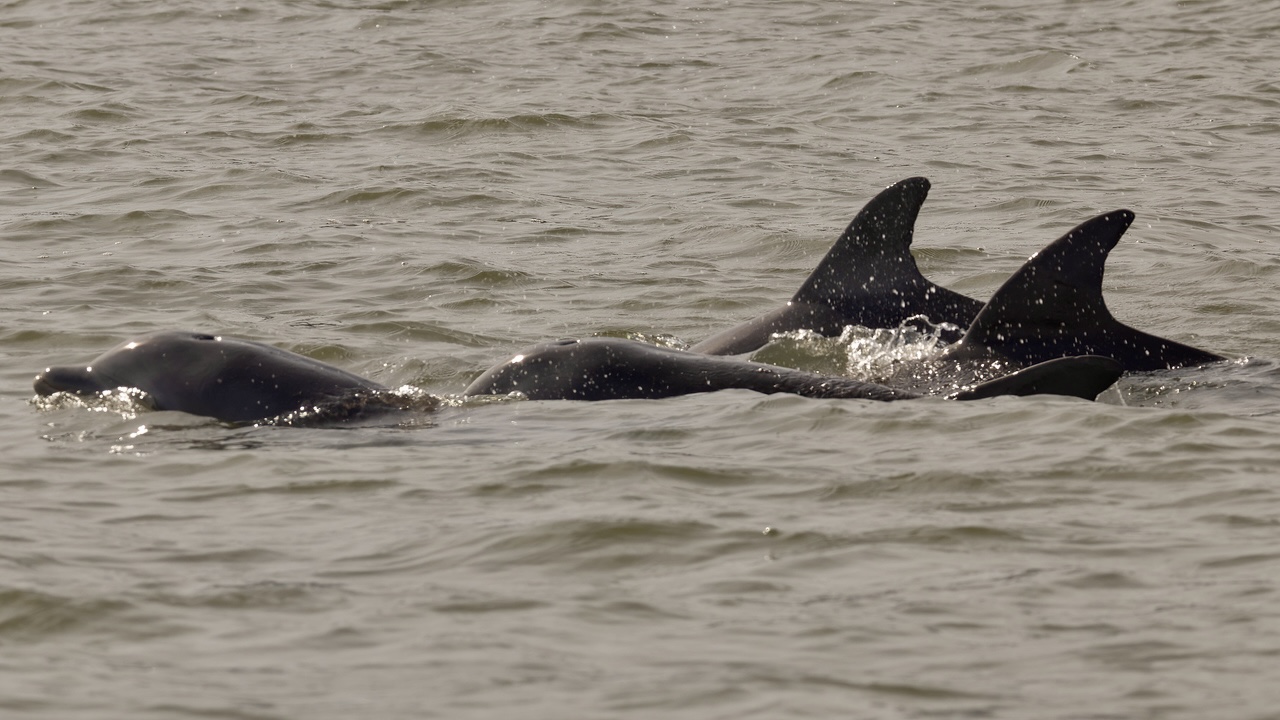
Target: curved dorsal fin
[
  {"x": 874, "y": 250},
  {"x": 1053, "y": 307},
  {"x": 870, "y": 278}
]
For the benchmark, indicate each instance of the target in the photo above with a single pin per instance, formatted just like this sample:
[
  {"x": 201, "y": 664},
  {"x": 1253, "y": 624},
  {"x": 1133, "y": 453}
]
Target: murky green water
[{"x": 414, "y": 190}]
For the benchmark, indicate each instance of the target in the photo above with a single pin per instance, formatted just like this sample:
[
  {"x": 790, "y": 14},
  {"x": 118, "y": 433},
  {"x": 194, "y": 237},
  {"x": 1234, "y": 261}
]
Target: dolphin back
[{"x": 615, "y": 369}]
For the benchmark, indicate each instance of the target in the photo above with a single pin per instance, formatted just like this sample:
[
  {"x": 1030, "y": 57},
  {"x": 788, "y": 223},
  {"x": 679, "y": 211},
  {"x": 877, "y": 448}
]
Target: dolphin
[
  {"x": 238, "y": 381},
  {"x": 1051, "y": 307},
  {"x": 220, "y": 377},
  {"x": 1049, "y": 315},
  {"x": 616, "y": 369},
  {"x": 868, "y": 278}
]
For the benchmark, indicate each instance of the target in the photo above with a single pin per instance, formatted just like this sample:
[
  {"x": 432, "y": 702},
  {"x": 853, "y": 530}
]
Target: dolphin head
[
  {"x": 557, "y": 369},
  {"x": 225, "y": 378},
  {"x": 149, "y": 364}
]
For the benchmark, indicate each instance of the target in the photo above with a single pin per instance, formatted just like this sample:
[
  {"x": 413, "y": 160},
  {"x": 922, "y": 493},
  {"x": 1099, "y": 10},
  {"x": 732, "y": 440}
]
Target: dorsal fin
[
  {"x": 1053, "y": 307},
  {"x": 869, "y": 277},
  {"x": 873, "y": 250}
]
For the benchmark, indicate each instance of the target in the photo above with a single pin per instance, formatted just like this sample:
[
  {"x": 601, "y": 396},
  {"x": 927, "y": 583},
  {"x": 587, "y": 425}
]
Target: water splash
[
  {"x": 125, "y": 402},
  {"x": 869, "y": 354}
]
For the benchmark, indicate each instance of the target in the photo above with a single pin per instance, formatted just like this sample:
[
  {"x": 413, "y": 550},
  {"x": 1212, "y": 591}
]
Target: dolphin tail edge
[{"x": 1083, "y": 376}]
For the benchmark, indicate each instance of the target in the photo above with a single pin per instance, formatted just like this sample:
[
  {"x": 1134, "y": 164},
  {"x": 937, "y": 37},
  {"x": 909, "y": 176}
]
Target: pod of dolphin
[{"x": 1049, "y": 319}]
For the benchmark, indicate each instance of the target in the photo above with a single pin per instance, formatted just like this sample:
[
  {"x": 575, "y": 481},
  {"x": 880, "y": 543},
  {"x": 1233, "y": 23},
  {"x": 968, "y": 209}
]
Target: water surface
[{"x": 415, "y": 190}]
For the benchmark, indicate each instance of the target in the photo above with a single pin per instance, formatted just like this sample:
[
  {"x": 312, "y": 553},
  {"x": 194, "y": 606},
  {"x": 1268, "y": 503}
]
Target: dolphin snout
[
  {"x": 80, "y": 381},
  {"x": 43, "y": 386}
]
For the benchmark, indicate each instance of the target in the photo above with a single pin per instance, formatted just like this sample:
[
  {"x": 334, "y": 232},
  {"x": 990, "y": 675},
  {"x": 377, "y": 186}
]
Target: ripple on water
[
  {"x": 379, "y": 187},
  {"x": 32, "y": 617}
]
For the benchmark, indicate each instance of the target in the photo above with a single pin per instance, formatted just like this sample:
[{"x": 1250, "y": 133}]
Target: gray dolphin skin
[
  {"x": 868, "y": 278},
  {"x": 239, "y": 381},
  {"x": 223, "y": 378},
  {"x": 1049, "y": 318},
  {"x": 1051, "y": 307},
  {"x": 616, "y": 369}
]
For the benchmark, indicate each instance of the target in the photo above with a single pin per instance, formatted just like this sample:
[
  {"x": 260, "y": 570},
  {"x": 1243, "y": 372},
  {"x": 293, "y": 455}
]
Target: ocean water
[{"x": 414, "y": 190}]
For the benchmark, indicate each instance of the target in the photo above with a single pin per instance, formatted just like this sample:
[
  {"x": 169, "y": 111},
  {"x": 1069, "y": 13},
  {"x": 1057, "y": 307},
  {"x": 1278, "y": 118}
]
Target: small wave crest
[
  {"x": 125, "y": 402},
  {"x": 411, "y": 406}
]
